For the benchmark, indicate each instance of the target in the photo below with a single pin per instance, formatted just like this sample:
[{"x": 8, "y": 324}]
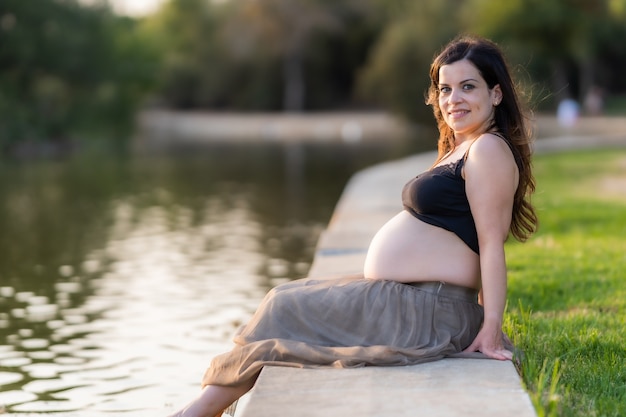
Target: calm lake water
[{"x": 121, "y": 277}]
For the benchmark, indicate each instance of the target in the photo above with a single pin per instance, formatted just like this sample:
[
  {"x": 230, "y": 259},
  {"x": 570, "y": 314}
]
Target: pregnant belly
[{"x": 406, "y": 249}]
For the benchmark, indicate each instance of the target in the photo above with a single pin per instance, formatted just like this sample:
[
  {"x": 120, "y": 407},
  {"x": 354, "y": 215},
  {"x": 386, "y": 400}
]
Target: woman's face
[{"x": 466, "y": 102}]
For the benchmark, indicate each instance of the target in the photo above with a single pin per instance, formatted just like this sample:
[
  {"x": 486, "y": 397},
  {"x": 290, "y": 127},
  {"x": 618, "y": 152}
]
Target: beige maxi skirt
[{"x": 350, "y": 322}]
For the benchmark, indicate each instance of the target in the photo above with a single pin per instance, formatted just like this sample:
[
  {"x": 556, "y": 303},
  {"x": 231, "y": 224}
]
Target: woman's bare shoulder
[
  {"x": 490, "y": 145},
  {"x": 491, "y": 157}
]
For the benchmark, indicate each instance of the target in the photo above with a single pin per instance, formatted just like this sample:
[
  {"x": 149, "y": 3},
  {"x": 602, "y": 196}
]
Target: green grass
[{"x": 567, "y": 287}]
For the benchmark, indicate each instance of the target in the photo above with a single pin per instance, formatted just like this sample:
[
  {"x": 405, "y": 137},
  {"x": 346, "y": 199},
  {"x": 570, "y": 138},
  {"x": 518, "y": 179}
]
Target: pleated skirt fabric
[{"x": 348, "y": 322}]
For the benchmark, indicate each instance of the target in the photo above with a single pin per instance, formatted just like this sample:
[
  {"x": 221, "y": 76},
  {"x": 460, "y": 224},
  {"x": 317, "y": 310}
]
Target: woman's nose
[{"x": 455, "y": 96}]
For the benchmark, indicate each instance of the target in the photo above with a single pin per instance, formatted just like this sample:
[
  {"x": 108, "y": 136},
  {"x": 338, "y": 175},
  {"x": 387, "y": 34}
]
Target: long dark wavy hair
[{"x": 509, "y": 119}]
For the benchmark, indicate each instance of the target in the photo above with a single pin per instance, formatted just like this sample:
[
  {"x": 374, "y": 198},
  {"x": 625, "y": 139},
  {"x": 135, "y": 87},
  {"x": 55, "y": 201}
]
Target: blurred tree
[
  {"x": 574, "y": 45},
  {"x": 286, "y": 28},
  {"x": 199, "y": 69},
  {"x": 334, "y": 61},
  {"x": 397, "y": 72},
  {"x": 566, "y": 42},
  {"x": 248, "y": 54},
  {"x": 185, "y": 31},
  {"x": 307, "y": 54},
  {"x": 66, "y": 70}
]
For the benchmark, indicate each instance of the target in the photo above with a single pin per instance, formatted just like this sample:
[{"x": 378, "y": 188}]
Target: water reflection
[{"x": 122, "y": 277}]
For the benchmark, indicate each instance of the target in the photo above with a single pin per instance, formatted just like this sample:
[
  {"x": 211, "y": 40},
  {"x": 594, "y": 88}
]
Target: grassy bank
[{"x": 567, "y": 288}]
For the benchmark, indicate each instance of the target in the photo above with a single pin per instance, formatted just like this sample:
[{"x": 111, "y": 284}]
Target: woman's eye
[
  {"x": 468, "y": 87},
  {"x": 444, "y": 90}
]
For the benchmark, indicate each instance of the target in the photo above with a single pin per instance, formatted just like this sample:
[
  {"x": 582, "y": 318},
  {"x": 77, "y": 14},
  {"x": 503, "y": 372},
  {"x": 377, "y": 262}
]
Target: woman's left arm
[{"x": 491, "y": 178}]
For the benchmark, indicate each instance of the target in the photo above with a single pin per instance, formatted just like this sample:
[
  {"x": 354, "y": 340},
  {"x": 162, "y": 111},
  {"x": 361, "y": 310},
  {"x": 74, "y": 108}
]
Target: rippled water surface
[{"x": 121, "y": 277}]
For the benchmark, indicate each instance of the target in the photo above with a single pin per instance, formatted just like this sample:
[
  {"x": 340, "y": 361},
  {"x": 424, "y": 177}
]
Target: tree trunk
[
  {"x": 560, "y": 81},
  {"x": 293, "y": 75},
  {"x": 586, "y": 76}
]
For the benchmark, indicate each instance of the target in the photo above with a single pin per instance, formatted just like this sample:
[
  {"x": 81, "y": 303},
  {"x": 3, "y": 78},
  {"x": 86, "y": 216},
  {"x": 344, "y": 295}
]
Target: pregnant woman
[{"x": 418, "y": 297}]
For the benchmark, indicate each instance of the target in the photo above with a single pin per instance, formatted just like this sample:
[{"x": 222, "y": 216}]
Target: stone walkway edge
[{"x": 450, "y": 387}]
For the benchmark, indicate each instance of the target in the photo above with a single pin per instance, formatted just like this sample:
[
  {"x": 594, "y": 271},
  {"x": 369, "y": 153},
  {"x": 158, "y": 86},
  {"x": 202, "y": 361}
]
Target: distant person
[
  {"x": 594, "y": 102},
  {"x": 567, "y": 112},
  {"x": 417, "y": 298}
]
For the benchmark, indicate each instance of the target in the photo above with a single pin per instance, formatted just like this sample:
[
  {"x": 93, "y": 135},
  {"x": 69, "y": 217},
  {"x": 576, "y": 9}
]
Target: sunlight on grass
[{"x": 567, "y": 303}]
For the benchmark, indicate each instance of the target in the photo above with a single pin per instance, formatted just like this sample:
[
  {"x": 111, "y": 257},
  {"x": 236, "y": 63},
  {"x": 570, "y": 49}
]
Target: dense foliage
[
  {"x": 67, "y": 69},
  {"x": 312, "y": 54}
]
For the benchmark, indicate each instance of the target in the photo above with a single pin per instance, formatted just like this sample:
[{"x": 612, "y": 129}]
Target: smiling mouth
[{"x": 458, "y": 113}]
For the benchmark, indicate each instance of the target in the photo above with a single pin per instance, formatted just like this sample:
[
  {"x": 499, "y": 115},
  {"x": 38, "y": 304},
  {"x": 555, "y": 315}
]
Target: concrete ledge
[{"x": 452, "y": 387}]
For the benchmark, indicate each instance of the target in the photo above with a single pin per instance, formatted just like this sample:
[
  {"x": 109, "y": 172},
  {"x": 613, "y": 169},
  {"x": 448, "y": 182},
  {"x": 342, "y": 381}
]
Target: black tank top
[{"x": 438, "y": 197}]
